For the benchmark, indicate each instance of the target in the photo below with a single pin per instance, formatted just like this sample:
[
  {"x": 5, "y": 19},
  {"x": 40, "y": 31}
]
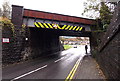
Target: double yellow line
[{"x": 72, "y": 72}]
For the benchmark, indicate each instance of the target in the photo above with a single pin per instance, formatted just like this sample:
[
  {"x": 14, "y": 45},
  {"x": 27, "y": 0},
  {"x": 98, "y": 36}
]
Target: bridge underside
[
  {"x": 62, "y": 32},
  {"x": 46, "y": 41}
]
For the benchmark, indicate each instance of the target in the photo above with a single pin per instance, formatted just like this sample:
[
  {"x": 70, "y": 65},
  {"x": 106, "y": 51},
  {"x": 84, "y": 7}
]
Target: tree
[
  {"x": 100, "y": 11},
  {"x": 0, "y": 12},
  {"x": 91, "y": 6},
  {"x": 6, "y": 10},
  {"x": 105, "y": 15}
]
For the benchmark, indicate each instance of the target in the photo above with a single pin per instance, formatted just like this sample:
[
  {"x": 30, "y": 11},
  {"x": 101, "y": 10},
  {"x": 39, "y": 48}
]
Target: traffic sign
[{"x": 5, "y": 40}]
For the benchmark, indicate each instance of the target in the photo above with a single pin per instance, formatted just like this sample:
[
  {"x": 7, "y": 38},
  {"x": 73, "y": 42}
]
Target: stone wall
[
  {"x": 0, "y": 51},
  {"x": 109, "y": 48},
  {"x": 7, "y": 48},
  {"x": 11, "y": 52}
]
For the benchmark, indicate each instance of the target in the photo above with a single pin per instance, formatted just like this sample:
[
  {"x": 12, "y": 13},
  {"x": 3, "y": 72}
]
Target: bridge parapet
[{"x": 57, "y": 17}]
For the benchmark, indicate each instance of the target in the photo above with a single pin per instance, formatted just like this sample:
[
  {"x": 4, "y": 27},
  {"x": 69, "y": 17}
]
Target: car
[{"x": 75, "y": 46}]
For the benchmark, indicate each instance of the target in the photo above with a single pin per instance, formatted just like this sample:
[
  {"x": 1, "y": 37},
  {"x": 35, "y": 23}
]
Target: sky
[{"x": 66, "y": 7}]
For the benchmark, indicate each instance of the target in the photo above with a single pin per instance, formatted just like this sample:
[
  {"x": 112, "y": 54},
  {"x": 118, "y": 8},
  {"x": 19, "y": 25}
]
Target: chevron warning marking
[
  {"x": 57, "y": 26},
  {"x": 77, "y": 28},
  {"x": 74, "y": 28},
  {"x": 64, "y": 26},
  {"x": 80, "y": 28},
  {"x": 49, "y": 25},
  {"x": 36, "y": 24},
  {"x": 67, "y": 27},
  {"x": 45, "y": 25},
  {"x": 71, "y": 28},
  {"x": 40, "y": 25}
]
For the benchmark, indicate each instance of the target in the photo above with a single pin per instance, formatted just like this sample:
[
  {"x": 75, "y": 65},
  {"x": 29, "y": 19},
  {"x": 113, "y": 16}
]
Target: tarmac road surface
[{"x": 57, "y": 66}]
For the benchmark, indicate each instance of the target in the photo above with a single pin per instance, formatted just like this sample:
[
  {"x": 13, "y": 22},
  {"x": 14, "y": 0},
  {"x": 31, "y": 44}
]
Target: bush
[{"x": 7, "y": 23}]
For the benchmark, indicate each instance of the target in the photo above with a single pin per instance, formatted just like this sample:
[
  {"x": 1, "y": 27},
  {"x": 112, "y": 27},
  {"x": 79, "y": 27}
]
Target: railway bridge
[{"x": 44, "y": 28}]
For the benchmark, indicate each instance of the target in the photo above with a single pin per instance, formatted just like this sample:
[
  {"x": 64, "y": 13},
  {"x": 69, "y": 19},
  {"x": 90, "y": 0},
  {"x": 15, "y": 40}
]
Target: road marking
[
  {"x": 28, "y": 73},
  {"x": 59, "y": 59},
  {"x": 72, "y": 72}
]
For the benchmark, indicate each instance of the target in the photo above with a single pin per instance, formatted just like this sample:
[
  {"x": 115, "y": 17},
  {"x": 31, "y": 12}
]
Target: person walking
[{"x": 86, "y": 47}]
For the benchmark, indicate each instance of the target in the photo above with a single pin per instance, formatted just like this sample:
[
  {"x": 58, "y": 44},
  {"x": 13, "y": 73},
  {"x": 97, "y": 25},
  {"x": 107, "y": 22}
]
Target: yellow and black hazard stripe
[
  {"x": 69, "y": 27},
  {"x": 46, "y": 25},
  {"x": 43, "y": 25},
  {"x": 56, "y": 26}
]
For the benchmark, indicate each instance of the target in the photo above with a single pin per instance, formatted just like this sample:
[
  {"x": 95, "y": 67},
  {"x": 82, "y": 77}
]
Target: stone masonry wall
[
  {"x": 11, "y": 52},
  {"x": 109, "y": 48}
]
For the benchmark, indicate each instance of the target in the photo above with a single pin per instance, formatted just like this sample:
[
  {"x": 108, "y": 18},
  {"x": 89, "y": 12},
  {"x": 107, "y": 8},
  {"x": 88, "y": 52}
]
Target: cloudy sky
[{"x": 67, "y": 7}]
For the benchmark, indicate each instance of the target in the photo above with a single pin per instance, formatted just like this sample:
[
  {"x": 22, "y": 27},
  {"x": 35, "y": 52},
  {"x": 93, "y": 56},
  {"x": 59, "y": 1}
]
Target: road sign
[
  {"x": 5, "y": 40},
  {"x": 55, "y": 25}
]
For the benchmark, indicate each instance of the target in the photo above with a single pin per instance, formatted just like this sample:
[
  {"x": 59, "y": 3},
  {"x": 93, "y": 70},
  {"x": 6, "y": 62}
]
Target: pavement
[{"x": 89, "y": 70}]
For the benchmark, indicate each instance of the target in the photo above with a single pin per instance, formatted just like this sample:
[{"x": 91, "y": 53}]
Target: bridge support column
[{"x": 43, "y": 42}]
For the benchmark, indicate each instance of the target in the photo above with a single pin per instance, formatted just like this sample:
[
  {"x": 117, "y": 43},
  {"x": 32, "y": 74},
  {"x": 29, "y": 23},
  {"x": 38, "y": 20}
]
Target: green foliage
[
  {"x": 8, "y": 23},
  {"x": 23, "y": 27},
  {"x": 105, "y": 14},
  {"x": 67, "y": 47},
  {"x": 105, "y": 26},
  {"x": 100, "y": 11},
  {"x": 23, "y": 30}
]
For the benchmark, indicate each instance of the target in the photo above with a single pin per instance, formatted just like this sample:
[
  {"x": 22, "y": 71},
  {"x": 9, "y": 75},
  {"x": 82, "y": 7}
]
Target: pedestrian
[{"x": 86, "y": 47}]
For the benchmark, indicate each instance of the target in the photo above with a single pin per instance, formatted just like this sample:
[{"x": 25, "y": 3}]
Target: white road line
[
  {"x": 59, "y": 59},
  {"x": 28, "y": 73}
]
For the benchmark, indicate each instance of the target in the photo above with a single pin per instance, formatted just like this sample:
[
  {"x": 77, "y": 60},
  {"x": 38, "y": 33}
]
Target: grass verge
[{"x": 67, "y": 47}]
